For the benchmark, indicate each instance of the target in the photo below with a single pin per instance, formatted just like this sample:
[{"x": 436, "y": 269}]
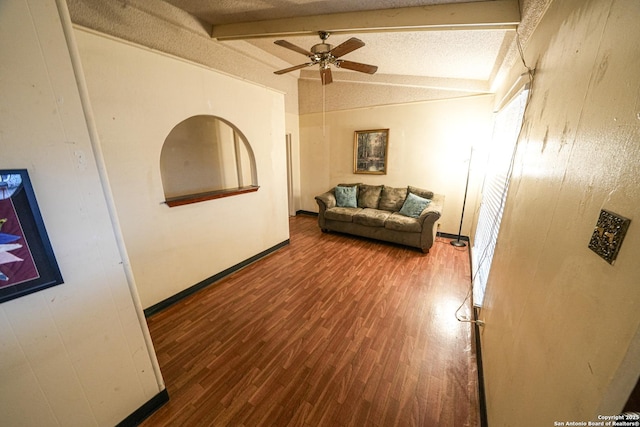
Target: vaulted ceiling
[
  {"x": 418, "y": 38},
  {"x": 450, "y": 45}
]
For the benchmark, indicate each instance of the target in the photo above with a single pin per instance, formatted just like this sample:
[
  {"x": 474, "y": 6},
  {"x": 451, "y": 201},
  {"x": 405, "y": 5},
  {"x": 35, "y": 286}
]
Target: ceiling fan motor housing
[{"x": 321, "y": 48}]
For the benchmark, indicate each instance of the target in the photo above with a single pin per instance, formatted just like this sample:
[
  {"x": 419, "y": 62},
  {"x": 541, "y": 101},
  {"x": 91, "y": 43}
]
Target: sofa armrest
[
  {"x": 435, "y": 207},
  {"x": 428, "y": 218},
  {"x": 325, "y": 201}
]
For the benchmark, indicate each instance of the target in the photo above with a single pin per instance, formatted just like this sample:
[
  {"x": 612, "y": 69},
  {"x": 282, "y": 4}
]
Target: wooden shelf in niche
[{"x": 210, "y": 195}]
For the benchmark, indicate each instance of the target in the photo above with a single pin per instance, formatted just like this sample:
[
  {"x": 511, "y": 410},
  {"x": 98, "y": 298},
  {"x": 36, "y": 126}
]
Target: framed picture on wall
[
  {"x": 370, "y": 149},
  {"x": 27, "y": 262}
]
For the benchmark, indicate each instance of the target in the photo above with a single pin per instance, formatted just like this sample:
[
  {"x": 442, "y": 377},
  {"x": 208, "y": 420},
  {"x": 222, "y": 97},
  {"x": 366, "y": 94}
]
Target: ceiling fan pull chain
[{"x": 324, "y": 87}]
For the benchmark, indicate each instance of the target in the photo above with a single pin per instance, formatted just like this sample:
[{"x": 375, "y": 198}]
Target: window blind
[{"x": 494, "y": 192}]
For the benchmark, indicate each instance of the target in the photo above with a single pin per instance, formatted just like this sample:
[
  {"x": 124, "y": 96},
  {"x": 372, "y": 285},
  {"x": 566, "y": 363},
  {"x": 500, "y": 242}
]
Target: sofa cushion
[
  {"x": 425, "y": 194},
  {"x": 398, "y": 222},
  {"x": 369, "y": 196},
  {"x": 341, "y": 214},
  {"x": 414, "y": 205},
  {"x": 392, "y": 198},
  {"x": 353, "y": 184},
  {"x": 346, "y": 197},
  {"x": 371, "y": 217}
]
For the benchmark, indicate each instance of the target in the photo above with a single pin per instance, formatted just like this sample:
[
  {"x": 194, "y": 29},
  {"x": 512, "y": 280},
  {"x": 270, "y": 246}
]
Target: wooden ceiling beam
[{"x": 483, "y": 15}]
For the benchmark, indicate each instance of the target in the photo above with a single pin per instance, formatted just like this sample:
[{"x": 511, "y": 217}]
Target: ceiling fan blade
[
  {"x": 295, "y": 67},
  {"x": 357, "y": 66},
  {"x": 293, "y": 47},
  {"x": 346, "y": 47},
  {"x": 325, "y": 75}
]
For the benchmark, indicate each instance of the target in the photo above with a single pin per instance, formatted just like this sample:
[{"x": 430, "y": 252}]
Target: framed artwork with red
[{"x": 27, "y": 261}]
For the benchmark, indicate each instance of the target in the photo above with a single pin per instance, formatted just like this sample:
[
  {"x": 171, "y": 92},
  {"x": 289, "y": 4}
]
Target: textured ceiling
[
  {"x": 233, "y": 11},
  {"x": 463, "y": 57},
  {"x": 446, "y": 54},
  {"x": 458, "y": 54}
]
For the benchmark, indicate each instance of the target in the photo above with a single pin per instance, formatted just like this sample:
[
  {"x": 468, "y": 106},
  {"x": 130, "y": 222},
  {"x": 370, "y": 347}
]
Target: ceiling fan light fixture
[{"x": 321, "y": 49}]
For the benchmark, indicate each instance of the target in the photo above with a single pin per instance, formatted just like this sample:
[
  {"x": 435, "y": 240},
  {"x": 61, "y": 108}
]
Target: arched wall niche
[{"x": 206, "y": 157}]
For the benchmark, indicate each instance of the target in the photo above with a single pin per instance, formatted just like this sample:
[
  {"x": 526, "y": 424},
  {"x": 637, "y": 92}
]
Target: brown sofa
[{"x": 377, "y": 215}]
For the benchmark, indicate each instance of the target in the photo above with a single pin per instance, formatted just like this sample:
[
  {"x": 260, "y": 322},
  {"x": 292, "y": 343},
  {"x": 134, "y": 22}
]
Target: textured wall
[
  {"x": 429, "y": 147},
  {"x": 138, "y": 96},
  {"x": 73, "y": 354},
  {"x": 165, "y": 28},
  {"x": 561, "y": 341}
]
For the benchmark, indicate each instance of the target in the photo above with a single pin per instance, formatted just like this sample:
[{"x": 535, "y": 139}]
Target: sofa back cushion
[
  {"x": 369, "y": 196},
  {"x": 392, "y": 198},
  {"x": 425, "y": 194}
]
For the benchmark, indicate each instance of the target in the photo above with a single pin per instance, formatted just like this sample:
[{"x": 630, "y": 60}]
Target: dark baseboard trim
[
  {"x": 306, "y": 213},
  {"x": 150, "y": 311},
  {"x": 482, "y": 399},
  {"x": 143, "y": 412},
  {"x": 452, "y": 236}
]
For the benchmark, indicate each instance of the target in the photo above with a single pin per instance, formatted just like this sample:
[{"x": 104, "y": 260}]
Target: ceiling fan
[{"x": 324, "y": 54}]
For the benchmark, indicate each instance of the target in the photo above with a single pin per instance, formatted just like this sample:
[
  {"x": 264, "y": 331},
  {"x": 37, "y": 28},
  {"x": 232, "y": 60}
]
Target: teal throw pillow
[
  {"x": 413, "y": 205},
  {"x": 346, "y": 197}
]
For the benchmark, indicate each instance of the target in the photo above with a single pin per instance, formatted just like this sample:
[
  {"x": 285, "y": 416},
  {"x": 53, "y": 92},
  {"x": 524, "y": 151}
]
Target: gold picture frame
[{"x": 370, "y": 149}]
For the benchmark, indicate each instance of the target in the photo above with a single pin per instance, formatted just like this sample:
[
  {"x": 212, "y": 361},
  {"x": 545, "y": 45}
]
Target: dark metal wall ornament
[
  {"x": 608, "y": 235},
  {"x": 27, "y": 261}
]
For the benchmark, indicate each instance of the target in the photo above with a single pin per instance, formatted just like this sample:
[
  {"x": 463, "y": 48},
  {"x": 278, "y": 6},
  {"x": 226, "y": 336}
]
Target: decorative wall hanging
[
  {"x": 370, "y": 151},
  {"x": 27, "y": 262},
  {"x": 608, "y": 235}
]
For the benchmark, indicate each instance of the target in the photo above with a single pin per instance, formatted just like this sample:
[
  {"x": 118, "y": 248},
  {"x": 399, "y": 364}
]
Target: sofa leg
[
  {"x": 325, "y": 230},
  {"x": 425, "y": 250}
]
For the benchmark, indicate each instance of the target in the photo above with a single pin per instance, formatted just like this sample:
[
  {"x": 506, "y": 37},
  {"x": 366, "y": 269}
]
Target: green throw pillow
[
  {"x": 414, "y": 205},
  {"x": 346, "y": 197}
]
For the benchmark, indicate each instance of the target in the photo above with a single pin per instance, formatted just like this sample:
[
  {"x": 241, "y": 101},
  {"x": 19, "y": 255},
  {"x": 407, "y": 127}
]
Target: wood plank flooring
[{"x": 331, "y": 330}]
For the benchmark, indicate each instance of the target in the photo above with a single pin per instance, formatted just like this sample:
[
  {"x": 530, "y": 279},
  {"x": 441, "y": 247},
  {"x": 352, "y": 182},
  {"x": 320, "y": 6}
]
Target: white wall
[
  {"x": 562, "y": 335},
  {"x": 165, "y": 28},
  {"x": 138, "y": 96},
  {"x": 74, "y": 354},
  {"x": 429, "y": 147}
]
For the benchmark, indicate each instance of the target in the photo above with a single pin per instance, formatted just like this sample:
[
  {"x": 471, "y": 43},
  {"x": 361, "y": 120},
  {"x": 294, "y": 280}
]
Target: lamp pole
[{"x": 458, "y": 243}]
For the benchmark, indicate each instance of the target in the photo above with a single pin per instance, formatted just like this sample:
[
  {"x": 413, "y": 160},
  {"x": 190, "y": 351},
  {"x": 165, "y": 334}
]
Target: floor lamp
[{"x": 458, "y": 243}]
